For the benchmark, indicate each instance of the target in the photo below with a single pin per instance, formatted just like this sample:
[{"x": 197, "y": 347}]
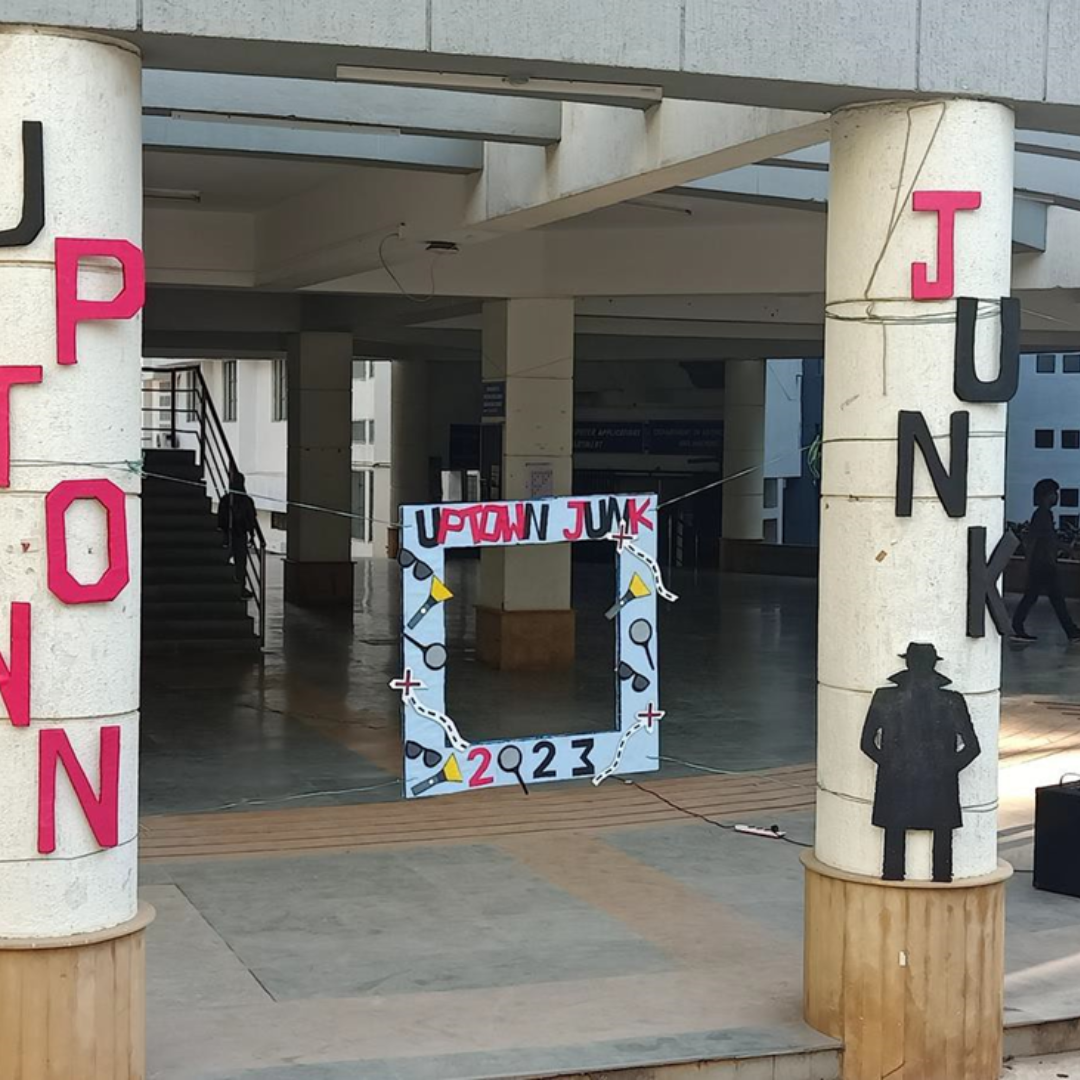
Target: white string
[{"x": 617, "y": 759}]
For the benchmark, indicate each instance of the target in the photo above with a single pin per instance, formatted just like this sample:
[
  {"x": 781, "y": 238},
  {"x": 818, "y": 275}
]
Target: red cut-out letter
[
  {"x": 15, "y": 677},
  {"x": 61, "y": 583},
  {"x": 945, "y": 204},
  {"x": 9, "y": 377},
  {"x": 70, "y": 310},
  {"x": 101, "y": 810}
]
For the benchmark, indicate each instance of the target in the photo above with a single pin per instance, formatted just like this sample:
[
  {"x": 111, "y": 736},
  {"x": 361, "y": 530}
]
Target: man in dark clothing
[
  {"x": 236, "y": 519},
  {"x": 1042, "y": 546},
  {"x": 921, "y": 737}
]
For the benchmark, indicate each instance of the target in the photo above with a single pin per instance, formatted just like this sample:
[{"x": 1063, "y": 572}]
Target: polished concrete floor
[{"x": 314, "y": 721}]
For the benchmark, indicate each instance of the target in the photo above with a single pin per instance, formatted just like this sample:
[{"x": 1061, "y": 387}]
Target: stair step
[
  {"x": 163, "y": 458},
  {"x": 217, "y": 629},
  {"x": 185, "y": 646},
  {"x": 199, "y": 573},
  {"x": 172, "y": 522},
  {"x": 211, "y": 592},
  {"x": 158, "y": 537},
  {"x": 227, "y": 610},
  {"x": 182, "y": 555}
]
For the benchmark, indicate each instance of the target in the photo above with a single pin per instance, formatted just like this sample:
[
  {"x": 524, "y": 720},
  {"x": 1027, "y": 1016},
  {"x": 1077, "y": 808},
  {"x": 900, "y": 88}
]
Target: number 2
[
  {"x": 542, "y": 771},
  {"x": 586, "y": 768},
  {"x": 480, "y": 777}
]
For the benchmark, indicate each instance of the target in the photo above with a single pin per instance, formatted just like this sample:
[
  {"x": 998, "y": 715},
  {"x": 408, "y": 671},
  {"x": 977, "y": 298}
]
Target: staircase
[{"x": 191, "y": 599}]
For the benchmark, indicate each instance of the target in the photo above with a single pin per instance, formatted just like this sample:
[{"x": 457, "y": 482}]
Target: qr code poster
[{"x": 438, "y": 760}]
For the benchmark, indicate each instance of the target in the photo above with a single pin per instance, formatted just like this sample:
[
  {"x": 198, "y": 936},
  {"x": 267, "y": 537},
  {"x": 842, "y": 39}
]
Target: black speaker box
[{"x": 1057, "y": 839}]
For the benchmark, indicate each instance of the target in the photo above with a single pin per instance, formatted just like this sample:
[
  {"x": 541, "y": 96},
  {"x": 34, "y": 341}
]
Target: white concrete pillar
[
  {"x": 409, "y": 435},
  {"x": 888, "y": 580},
  {"x": 744, "y": 450},
  {"x": 525, "y": 619},
  {"x": 69, "y": 710},
  {"x": 318, "y": 566}
]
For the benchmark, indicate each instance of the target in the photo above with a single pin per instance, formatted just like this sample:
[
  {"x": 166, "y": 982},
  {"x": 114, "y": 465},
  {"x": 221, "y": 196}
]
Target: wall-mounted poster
[{"x": 438, "y": 760}]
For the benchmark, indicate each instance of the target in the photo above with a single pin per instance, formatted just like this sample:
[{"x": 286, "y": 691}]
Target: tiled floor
[{"x": 315, "y": 937}]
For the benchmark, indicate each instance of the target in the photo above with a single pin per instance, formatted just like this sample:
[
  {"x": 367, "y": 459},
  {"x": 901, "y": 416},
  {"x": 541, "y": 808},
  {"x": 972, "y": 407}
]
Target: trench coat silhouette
[{"x": 921, "y": 737}]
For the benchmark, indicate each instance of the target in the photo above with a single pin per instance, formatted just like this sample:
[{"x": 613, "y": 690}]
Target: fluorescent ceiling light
[
  {"x": 281, "y": 122},
  {"x": 174, "y": 194},
  {"x": 626, "y": 95}
]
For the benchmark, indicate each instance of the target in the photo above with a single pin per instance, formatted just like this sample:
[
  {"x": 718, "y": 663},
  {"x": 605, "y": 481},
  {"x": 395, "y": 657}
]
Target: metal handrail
[{"x": 215, "y": 458}]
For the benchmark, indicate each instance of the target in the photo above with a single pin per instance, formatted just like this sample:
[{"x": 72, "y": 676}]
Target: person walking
[
  {"x": 236, "y": 519},
  {"x": 1042, "y": 547}
]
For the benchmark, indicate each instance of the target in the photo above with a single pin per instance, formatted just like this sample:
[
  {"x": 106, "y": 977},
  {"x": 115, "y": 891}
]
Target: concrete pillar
[
  {"x": 318, "y": 564},
  {"x": 524, "y": 620},
  {"x": 909, "y": 973},
  {"x": 742, "y": 515},
  {"x": 71, "y": 931},
  {"x": 409, "y": 437}
]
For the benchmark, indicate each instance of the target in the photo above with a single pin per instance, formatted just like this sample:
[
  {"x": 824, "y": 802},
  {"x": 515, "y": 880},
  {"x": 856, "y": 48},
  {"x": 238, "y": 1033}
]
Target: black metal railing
[{"x": 195, "y": 424}]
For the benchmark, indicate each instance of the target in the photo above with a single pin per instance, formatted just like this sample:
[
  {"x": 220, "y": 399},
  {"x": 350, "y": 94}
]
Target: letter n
[
  {"x": 15, "y": 670},
  {"x": 950, "y": 485},
  {"x": 101, "y": 809},
  {"x": 966, "y": 382}
]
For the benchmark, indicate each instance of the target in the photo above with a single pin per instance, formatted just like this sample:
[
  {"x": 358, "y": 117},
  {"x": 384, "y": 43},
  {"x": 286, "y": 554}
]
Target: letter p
[{"x": 70, "y": 310}]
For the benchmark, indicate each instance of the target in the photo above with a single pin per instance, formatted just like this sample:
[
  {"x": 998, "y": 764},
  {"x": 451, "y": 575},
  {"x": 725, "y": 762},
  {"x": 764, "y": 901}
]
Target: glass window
[
  {"x": 371, "y": 432},
  {"x": 359, "y": 505},
  {"x": 371, "y": 369},
  {"x": 190, "y": 395},
  {"x": 228, "y": 403},
  {"x": 1044, "y": 439},
  {"x": 359, "y": 369},
  {"x": 279, "y": 519},
  {"x": 1070, "y": 440},
  {"x": 281, "y": 391},
  {"x": 1070, "y": 496},
  {"x": 772, "y": 531},
  {"x": 1069, "y": 521},
  {"x": 1046, "y": 363},
  {"x": 359, "y": 431},
  {"x": 1070, "y": 364},
  {"x": 770, "y": 493}
]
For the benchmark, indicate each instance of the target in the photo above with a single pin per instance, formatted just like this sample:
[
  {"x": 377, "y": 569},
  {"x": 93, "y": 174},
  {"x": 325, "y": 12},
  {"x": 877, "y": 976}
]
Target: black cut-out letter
[
  {"x": 33, "y": 210},
  {"x": 950, "y": 485},
  {"x": 983, "y": 575},
  {"x": 966, "y": 382}
]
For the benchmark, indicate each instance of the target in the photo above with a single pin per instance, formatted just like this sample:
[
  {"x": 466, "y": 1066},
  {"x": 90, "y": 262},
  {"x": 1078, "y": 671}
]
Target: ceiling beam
[
  {"x": 360, "y": 148},
  {"x": 404, "y": 109}
]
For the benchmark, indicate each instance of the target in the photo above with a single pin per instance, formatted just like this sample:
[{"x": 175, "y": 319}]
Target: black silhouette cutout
[
  {"x": 983, "y": 576},
  {"x": 951, "y": 486},
  {"x": 966, "y": 382},
  {"x": 33, "y": 210},
  {"x": 921, "y": 737}
]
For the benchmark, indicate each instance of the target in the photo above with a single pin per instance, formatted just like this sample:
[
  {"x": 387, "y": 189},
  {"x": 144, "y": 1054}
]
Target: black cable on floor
[{"x": 702, "y": 817}]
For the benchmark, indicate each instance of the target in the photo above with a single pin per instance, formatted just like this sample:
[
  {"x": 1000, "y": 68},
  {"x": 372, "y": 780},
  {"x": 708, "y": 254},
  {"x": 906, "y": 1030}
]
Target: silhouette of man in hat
[{"x": 921, "y": 737}]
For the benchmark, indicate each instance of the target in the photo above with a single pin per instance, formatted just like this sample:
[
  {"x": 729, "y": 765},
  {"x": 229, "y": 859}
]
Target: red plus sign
[
  {"x": 623, "y": 536},
  {"x": 650, "y": 714},
  {"x": 406, "y": 684}
]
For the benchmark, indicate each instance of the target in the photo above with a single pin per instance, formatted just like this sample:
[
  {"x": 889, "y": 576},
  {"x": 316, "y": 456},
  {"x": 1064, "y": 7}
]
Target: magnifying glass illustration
[
  {"x": 641, "y": 634},
  {"x": 510, "y": 760},
  {"x": 434, "y": 655}
]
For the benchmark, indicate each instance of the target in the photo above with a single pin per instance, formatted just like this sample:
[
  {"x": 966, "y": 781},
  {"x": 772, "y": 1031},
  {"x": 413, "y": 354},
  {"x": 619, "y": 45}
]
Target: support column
[
  {"x": 409, "y": 439},
  {"x": 524, "y": 621},
  {"x": 742, "y": 513},
  {"x": 72, "y": 971},
  {"x": 318, "y": 565},
  {"x": 909, "y": 973}
]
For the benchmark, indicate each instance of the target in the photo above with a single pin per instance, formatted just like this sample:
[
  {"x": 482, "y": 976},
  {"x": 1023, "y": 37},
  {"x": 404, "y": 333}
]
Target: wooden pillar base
[
  {"x": 909, "y": 975},
  {"x": 75, "y": 1008},
  {"x": 525, "y": 640}
]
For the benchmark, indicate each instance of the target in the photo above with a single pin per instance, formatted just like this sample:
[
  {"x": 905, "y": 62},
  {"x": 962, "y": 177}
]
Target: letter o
[{"x": 111, "y": 583}]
